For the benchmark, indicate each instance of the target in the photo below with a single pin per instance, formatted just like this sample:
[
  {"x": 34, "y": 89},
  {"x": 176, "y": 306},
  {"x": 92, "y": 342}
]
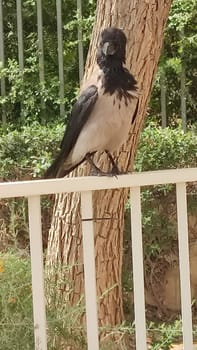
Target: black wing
[{"x": 78, "y": 117}]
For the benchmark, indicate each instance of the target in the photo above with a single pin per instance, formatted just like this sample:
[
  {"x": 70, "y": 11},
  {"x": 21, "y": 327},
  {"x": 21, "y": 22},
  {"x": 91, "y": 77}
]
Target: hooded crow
[{"x": 101, "y": 117}]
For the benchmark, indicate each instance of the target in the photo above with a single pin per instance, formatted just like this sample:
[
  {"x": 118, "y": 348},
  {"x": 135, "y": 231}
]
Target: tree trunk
[{"x": 143, "y": 22}]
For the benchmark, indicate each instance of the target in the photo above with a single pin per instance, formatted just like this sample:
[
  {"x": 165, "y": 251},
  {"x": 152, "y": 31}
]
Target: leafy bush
[
  {"x": 27, "y": 152},
  {"x": 16, "y": 313},
  {"x": 65, "y": 326},
  {"x": 179, "y": 49},
  {"x": 16, "y": 320},
  {"x": 165, "y": 149},
  {"x": 22, "y": 102},
  {"x": 25, "y": 95}
]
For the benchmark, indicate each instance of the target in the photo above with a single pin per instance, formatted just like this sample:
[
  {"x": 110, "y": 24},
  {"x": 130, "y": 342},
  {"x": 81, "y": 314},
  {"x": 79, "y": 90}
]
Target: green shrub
[
  {"x": 22, "y": 104},
  {"x": 16, "y": 312},
  {"x": 25, "y": 94},
  {"x": 163, "y": 149},
  {"x": 16, "y": 321},
  {"x": 166, "y": 148},
  {"x": 27, "y": 152}
]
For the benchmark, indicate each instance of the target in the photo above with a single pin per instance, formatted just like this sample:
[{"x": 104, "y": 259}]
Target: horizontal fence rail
[
  {"x": 85, "y": 185},
  {"x": 92, "y": 183}
]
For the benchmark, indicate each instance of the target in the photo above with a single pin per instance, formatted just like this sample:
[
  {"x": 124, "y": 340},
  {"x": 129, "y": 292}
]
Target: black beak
[{"x": 108, "y": 49}]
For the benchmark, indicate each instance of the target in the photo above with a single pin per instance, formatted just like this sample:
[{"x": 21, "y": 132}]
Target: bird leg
[
  {"x": 115, "y": 171},
  {"x": 96, "y": 170}
]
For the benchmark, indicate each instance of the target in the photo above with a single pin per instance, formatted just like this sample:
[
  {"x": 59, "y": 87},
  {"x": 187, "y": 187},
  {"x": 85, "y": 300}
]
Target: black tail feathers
[{"x": 56, "y": 169}]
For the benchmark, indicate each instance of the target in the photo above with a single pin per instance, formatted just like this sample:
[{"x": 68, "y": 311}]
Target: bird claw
[
  {"x": 98, "y": 172},
  {"x": 114, "y": 172}
]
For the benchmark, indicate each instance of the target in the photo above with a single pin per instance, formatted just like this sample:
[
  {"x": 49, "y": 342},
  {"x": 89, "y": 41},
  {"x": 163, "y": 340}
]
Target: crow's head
[{"x": 112, "y": 47}]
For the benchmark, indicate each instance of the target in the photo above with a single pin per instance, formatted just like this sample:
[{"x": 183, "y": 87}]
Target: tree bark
[{"x": 143, "y": 22}]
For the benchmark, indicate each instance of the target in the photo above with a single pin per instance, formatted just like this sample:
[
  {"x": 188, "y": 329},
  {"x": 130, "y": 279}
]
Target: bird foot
[
  {"x": 97, "y": 172},
  {"x": 114, "y": 172}
]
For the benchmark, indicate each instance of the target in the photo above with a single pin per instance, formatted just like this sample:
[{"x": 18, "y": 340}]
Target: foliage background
[{"x": 24, "y": 93}]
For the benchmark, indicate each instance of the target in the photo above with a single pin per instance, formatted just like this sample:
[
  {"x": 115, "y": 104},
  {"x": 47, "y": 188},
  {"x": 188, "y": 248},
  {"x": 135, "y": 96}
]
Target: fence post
[
  {"x": 39, "y": 312},
  {"x": 80, "y": 41},
  {"x": 138, "y": 269},
  {"x": 40, "y": 48},
  {"x": 89, "y": 270},
  {"x": 20, "y": 34},
  {"x": 60, "y": 54},
  {"x": 184, "y": 265}
]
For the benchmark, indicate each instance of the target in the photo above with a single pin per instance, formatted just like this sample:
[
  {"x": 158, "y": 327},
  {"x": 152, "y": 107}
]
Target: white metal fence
[{"x": 34, "y": 189}]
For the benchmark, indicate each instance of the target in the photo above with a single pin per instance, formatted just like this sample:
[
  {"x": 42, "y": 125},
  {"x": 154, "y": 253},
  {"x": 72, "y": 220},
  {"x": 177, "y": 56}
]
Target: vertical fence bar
[
  {"x": 80, "y": 41},
  {"x": 20, "y": 34},
  {"x": 138, "y": 269},
  {"x": 2, "y": 59},
  {"x": 163, "y": 99},
  {"x": 183, "y": 85},
  {"x": 40, "y": 40},
  {"x": 60, "y": 54},
  {"x": 37, "y": 273},
  {"x": 184, "y": 265},
  {"x": 183, "y": 97},
  {"x": 40, "y": 46},
  {"x": 89, "y": 270}
]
